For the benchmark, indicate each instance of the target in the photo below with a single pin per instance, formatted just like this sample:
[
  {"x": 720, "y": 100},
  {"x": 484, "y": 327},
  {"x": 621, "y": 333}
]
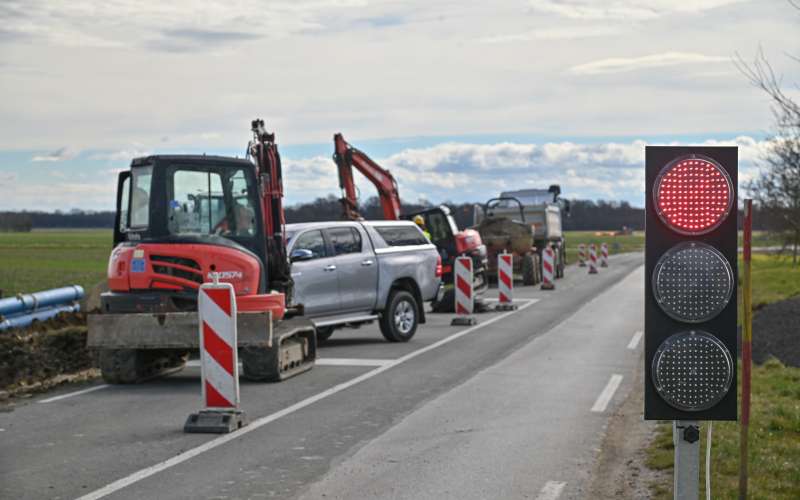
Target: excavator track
[
  {"x": 293, "y": 351},
  {"x": 132, "y": 366}
]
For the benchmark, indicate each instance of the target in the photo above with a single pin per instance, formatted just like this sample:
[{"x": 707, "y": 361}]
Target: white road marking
[
  {"x": 326, "y": 362},
  {"x": 351, "y": 362},
  {"x": 635, "y": 340},
  {"x": 260, "y": 422},
  {"x": 551, "y": 490},
  {"x": 497, "y": 299},
  {"x": 76, "y": 393},
  {"x": 608, "y": 392}
]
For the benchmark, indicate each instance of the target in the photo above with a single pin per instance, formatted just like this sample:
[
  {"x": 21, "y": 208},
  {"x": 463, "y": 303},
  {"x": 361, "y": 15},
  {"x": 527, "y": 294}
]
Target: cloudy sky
[{"x": 459, "y": 99}]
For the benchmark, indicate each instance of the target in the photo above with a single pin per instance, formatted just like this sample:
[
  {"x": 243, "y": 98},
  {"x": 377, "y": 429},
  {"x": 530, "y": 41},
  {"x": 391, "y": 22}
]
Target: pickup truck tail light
[{"x": 439, "y": 266}]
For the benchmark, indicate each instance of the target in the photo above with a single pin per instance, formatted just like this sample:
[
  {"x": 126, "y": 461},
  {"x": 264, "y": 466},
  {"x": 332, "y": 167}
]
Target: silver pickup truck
[{"x": 350, "y": 273}]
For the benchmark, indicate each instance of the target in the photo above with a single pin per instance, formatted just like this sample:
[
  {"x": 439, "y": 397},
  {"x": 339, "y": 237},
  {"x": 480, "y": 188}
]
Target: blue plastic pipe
[
  {"x": 23, "y": 320},
  {"x": 29, "y": 302}
]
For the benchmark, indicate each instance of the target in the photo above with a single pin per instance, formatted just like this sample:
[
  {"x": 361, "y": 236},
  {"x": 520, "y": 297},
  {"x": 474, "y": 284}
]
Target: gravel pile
[{"x": 776, "y": 332}]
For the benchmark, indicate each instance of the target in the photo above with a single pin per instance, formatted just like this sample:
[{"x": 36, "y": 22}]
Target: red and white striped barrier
[
  {"x": 548, "y": 268},
  {"x": 505, "y": 282},
  {"x": 592, "y": 259},
  {"x": 216, "y": 310},
  {"x": 604, "y": 255},
  {"x": 582, "y": 255},
  {"x": 464, "y": 297}
]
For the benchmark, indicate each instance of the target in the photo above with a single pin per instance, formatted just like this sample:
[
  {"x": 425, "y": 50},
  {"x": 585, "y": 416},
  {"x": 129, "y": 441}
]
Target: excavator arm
[
  {"x": 347, "y": 157},
  {"x": 264, "y": 152}
]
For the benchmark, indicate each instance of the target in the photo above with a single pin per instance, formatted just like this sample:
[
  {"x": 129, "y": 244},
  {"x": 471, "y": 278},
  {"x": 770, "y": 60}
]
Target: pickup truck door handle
[
  {"x": 367, "y": 262},
  {"x": 330, "y": 268}
]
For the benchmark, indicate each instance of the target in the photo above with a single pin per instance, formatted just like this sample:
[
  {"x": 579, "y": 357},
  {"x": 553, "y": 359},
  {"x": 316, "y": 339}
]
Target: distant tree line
[
  {"x": 14, "y": 222},
  {"x": 25, "y": 221},
  {"x": 585, "y": 215}
]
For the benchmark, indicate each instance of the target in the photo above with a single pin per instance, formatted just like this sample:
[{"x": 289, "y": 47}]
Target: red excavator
[
  {"x": 439, "y": 222},
  {"x": 180, "y": 220}
]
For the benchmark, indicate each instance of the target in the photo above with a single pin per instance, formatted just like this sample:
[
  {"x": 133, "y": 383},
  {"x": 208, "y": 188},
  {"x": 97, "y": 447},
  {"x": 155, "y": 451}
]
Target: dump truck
[{"x": 523, "y": 223}]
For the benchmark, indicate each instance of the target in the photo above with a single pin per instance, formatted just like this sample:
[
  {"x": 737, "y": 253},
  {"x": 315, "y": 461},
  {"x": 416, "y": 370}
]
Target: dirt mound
[
  {"x": 43, "y": 351},
  {"x": 776, "y": 332}
]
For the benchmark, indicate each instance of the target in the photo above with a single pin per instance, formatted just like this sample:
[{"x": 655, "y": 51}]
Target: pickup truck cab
[{"x": 349, "y": 273}]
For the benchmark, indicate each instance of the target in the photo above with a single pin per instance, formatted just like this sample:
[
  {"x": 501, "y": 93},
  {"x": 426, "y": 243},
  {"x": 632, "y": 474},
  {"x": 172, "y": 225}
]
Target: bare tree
[{"x": 776, "y": 191}]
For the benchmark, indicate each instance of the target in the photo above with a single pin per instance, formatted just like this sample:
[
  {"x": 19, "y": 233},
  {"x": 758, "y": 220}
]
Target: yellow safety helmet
[{"x": 419, "y": 220}]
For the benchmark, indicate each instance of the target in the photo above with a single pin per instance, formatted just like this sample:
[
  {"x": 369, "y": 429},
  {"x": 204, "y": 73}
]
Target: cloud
[
  {"x": 626, "y": 10},
  {"x": 189, "y": 39},
  {"x": 558, "y": 33},
  {"x": 122, "y": 155},
  {"x": 61, "y": 154},
  {"x": 8, "y": 178},
  {"x": 626, "y": 64}
]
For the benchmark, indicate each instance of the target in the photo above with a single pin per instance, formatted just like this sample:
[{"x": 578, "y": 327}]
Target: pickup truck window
[
  {"x": 344, "y": 240},
  {"x": 398, "y": 236},
  {"x": 313, "y": 241}
]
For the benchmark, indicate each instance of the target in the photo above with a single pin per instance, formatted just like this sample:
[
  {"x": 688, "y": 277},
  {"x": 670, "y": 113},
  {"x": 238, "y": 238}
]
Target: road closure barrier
[
  {"x": 548, "y": 266},
  {"x": 592, "y": 259},
  {"x": 216, "y": 310},
  {"x": 582, "y": 255},
  {"x": 603, "y": 255},
  {"x": 505, "y": 282},
  {"x": 464, "y": 294}
]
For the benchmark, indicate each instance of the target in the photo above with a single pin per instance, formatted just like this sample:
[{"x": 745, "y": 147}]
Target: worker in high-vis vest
[{"x": 420, "y": 221}]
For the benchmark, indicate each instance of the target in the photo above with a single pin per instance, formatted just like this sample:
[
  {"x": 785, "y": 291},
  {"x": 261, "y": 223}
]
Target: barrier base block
[
  {"x": 603, "y": 264},
  {"x": 505, "y": 306},
  {"x": 464, "y": 321},
  {"x": 548, "y": 286},
  {"x": 215, "y": 421},
  {"x": 593, "y": 270}
]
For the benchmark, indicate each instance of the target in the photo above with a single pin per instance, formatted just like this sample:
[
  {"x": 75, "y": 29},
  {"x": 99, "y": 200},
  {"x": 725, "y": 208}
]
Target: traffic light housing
[{"x": 690, "y": 283}]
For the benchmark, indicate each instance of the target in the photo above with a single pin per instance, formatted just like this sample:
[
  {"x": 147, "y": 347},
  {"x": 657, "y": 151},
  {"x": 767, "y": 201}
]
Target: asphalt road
[{"x": 514, "y": 407}]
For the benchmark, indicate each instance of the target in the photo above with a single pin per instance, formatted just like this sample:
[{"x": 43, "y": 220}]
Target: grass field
[
  {"x": 775, "y": 418},
  {"x": 616, "y": 244},
  {"x": 774, "y": 442},
  {"x": 40, "y": 260}
]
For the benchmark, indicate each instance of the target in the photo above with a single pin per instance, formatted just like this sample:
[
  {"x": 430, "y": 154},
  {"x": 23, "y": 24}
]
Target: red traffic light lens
[{"x": 693, "y": 195}]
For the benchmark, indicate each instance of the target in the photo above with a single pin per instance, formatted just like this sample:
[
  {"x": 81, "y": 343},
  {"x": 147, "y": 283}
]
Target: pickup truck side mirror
[{"x": 301, "y": 254}]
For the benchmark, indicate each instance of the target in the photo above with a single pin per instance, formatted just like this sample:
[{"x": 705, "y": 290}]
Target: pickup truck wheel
[
  {"x": 324, "y": 333},
  {"x": 399, "y": 320}
]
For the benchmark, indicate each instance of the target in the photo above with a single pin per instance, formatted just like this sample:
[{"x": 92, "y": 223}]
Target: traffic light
[{"x": 690, "y": 283}]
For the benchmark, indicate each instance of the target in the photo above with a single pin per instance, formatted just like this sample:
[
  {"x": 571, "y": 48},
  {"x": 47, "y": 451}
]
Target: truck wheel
[
  {"x": 528, "y": 270},
  {"x": 399, "y": 320},
  {"x": 129, "y": 366},
  {"x": 559, "y": 263},
  {"x": 324, "y": 333}
]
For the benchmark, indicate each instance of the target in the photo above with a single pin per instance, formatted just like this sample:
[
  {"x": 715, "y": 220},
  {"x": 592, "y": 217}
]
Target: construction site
[{"x": 368, "y": 249}]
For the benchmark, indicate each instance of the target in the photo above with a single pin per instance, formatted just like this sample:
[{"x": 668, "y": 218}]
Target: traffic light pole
[{"x": 686, "y": 437}]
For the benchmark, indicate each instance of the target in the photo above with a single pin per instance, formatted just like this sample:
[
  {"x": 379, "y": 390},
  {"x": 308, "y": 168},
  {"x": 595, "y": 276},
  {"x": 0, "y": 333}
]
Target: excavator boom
[{"x": 347, "y": 157}]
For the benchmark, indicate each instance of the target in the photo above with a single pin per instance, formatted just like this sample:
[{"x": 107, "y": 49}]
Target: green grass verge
[
  {"x": 774, "y": 278},
  {"x": 616, "y": 244},
  {"x": 774, "y": 442},
  {"x": 775, "y": 418},
  {"x": 41, "y": 260}
]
